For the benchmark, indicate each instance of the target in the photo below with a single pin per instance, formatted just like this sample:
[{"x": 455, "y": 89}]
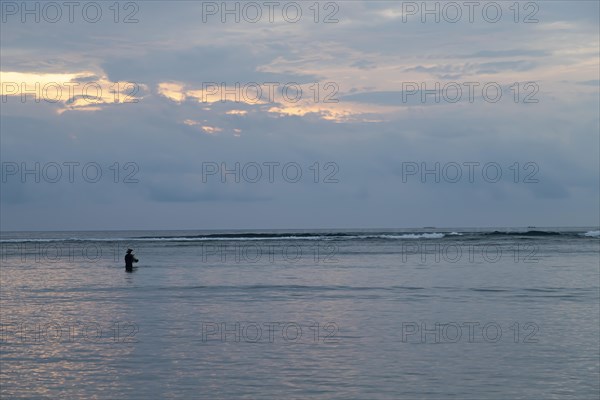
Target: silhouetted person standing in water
[{"x": 129, "y": 260}]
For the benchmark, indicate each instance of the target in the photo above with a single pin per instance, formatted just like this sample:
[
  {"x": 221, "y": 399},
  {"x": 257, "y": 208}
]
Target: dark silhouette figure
[{"x": 129, "y": 260}]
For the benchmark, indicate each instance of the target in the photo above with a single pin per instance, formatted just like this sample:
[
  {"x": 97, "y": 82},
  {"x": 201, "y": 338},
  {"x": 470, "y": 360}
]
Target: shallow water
[{"x": 398, "y": 314}]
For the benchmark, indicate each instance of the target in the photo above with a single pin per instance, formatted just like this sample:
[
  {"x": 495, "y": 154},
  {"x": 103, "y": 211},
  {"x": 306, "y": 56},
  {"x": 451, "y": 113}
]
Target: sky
[{"x": 299, "y": 115}]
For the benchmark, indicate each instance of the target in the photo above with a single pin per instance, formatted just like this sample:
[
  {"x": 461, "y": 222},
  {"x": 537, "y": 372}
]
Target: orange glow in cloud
[
  {"x": 72, "y": 91},
  {"x": 210, "y": 130},
  {"x": 332, "y": 111}
]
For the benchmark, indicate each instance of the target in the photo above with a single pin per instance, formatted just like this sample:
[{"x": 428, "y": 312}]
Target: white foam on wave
[
  {"x": 202, "y": 239},
  {"x": 592, "y": 234},
  {"x": 414, "y": 236},
  {"x": 206, "y": 239}
]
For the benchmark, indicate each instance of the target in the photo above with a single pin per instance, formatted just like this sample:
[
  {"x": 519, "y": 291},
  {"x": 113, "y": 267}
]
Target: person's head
[{"x": 129, "y": 251}]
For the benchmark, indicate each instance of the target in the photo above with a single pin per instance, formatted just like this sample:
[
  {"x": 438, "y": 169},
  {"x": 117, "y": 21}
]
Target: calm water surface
[{"x": 403, "y": 314}]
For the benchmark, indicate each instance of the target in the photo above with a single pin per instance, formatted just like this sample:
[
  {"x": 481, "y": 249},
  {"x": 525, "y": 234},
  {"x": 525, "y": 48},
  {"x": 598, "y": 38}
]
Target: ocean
[{"x": 502, "y": 313}]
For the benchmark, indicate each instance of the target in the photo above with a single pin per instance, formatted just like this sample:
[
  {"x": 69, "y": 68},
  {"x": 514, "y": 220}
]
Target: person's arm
[{"x": 135, "y": 259}]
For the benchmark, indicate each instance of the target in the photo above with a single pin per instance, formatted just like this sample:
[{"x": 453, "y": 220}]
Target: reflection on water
[
  {"x": 363, "y": 326},
  {"x": 59, "y": 335}
]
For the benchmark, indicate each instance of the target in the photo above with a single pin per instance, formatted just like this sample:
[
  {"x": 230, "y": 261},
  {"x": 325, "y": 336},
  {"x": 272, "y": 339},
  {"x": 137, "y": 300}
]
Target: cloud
[
  {"x": 593, "y": 82},
  {"x": 508, "y": 53},
  {"x": 83, "y": 90},
  {"x": 199, "y": 65},
  {"x": 375, "y": 124}
]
